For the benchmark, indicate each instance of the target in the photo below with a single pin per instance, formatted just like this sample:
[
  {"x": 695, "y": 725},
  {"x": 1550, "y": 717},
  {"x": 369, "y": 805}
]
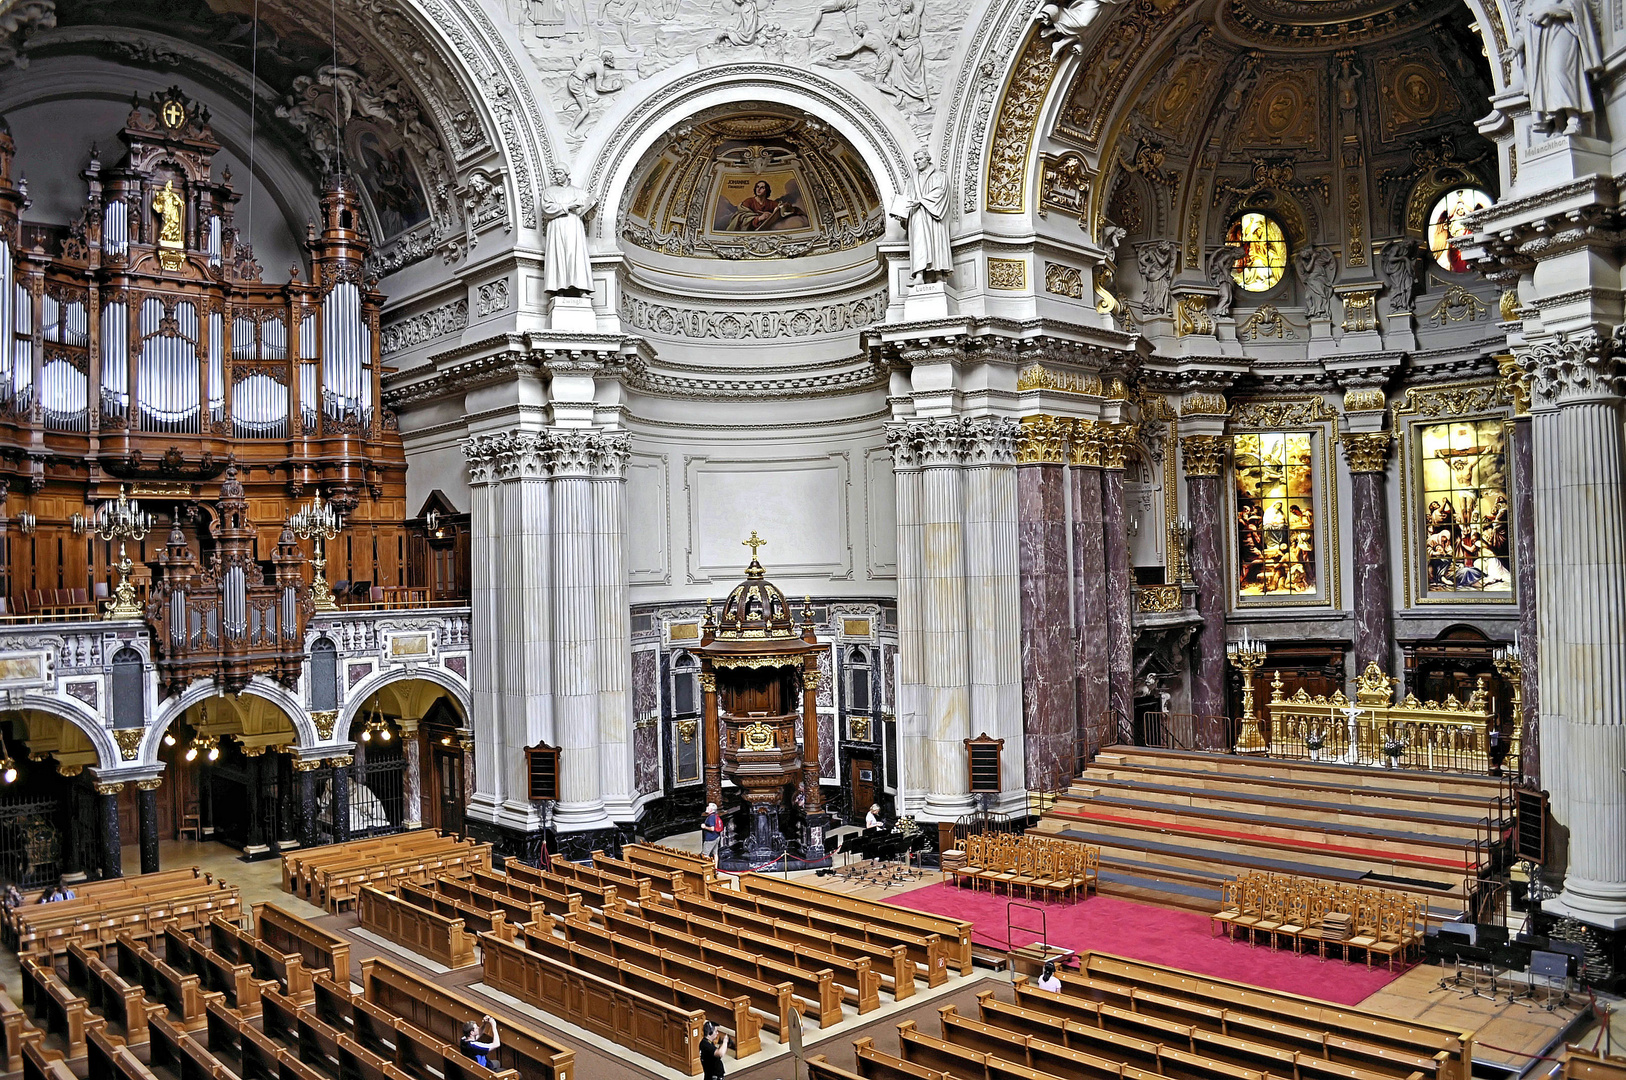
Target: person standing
[
  {"x": 711, "y": 831},
  {"x": 713, "y": 1046},
  {"x": 473, "y": 1046}
]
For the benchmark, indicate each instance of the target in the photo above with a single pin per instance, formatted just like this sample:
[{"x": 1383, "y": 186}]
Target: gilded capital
[
  {"x": 342, "y": 761},
  {"x": 150, "y": 785},
  {"x": 1367, "y": 451},
  {"x": 1084, "y": 448},
  {"x": 1041, "y": 440},
  {"x": 307, "y": 764},
  {"x": 109, "y": 788},
  {"x": 810, "y": 679},
  {"x": 708, "y": 682},
  {"x": 1114, "y": 443},
  {"x": 1515, "y": 384},
  {"x": 1203, "y": 455}
]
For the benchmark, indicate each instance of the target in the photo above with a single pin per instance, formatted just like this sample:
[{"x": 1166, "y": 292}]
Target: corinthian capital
[
  {"x": 1084, "y": 448},
  {"x": 1115, "y": 442},
  {"x": 611, "y": 450},
  {"x": 1367, "y": 451},
  {"x": 573, "y": 452},
  {"x": 1043, "y": 440},
  {"x": 990, "y": 440},
  {"x": 1203, "y": 455},
  {"x": 1577, "y": 367},
  {"x": 942, "y": 442},
  {"x": 904, "y": 444}
]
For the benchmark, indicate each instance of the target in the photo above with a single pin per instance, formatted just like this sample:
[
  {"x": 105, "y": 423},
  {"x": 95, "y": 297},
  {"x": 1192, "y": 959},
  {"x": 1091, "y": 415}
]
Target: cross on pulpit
[{"x": 753, "y": 543}]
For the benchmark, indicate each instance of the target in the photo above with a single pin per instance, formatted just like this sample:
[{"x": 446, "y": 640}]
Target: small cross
[{"x": 753, "y": 543}]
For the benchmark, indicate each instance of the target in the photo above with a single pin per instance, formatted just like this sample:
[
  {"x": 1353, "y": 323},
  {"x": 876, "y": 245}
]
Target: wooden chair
[{"x": 1230, "y": 908}]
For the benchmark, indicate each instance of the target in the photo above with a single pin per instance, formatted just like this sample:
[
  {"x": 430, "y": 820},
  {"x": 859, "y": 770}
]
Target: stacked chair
[
  {"x": 1052, "y": 866},
  {"x": 1326, "y": 916}
]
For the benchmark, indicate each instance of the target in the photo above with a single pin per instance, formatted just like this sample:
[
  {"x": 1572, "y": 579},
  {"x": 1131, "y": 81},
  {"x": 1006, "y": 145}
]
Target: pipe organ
[{"x": 139, "y": 346}]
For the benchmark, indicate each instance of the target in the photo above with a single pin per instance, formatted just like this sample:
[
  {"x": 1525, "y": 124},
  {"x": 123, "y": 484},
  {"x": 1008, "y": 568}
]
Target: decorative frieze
[
  {"x": 1203, "y": 404},
  {"x": 1063, "y": 280},
  {"x": 1008, "y": 275},
  {"x": 1365, "y": 399},
  {"x": 1039, "y": 377},
  {"x": 1368, "y": 451},
  {"x": 1203, "y": 455},
  {"x": 492, "y": 297},
  {"x": 671, "y": 320},
  {"x": 1013, "y": 132},
  {"x": 424, "y": 326},
  {"x": 1281, "y": 412}
]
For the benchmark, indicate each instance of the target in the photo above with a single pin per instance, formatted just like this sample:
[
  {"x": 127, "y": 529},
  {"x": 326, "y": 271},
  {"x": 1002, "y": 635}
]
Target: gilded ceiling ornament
[
  {"x": 1013, "y": 131},
  {"x": 1041, "y": 440},
  {"x": 1364, "y": 399},
  {"x": 1008, "y": 275},
  {"x": 1103, "y": 72},
  {"x": 1281, "y": 412},
  {"x": 1272, "y": 175},
  {"x": 1202, "y": 455},
  {"x": 1454, "y": 399},
  {"x": 1366, "y": 451},
  {"x": 1458, "y": 305},
  {"x": 1065, "y": 183}
]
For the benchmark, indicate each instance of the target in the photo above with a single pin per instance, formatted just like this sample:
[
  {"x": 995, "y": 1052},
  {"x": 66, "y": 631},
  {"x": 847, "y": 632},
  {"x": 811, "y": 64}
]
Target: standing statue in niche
[
  {"x": 931, "y": 258},
  {"x": 568, "y": 270},
  {"x": 1220, "y": 265},
  {"x": 1399, "y": 266},
  {"x": 1317, "y": 269},
  {"x": 1065, "y": 23},
  {"x": 1559, "y": 49},
  {"x": 1156, "y": 262}
]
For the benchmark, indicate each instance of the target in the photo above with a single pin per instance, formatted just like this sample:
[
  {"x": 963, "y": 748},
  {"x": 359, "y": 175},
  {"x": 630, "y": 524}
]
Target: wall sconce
[
  {"x": 27, "y": 523},
  {"x": 78, "y": 524}
]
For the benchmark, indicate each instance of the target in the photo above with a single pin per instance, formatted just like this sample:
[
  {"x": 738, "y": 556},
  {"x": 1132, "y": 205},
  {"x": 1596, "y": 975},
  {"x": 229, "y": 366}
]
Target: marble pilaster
[
  {"x": 942, "y": 626},
  {"x": 912, "y": 773},
  {"x": 411, "y": 774},
  {"x": 1367, "y": 456},
  {"x": 1203, "y": 457},
  {"x": 1522, "y": 470},
  {"x": 575, "y": 635},
  {"x": 993, "y": 589},
  {"x": 614, "y": 655},
  {"x": 147, "y": 823},
  {"x": 305, "y": 772},
  {"x": 1092, "y": 689},
  {"x": 107, "y": 817},
  {"x": 1047, "y": 684},
  {"x": 339, "y": 806},
  {"x": 1115, "y": 544}
]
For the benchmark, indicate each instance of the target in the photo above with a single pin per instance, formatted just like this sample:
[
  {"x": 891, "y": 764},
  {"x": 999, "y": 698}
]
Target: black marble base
[{"x": 527, "y": 847}]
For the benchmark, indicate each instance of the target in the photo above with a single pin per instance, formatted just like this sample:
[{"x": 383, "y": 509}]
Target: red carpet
[{"x": 1156, "y": 935}]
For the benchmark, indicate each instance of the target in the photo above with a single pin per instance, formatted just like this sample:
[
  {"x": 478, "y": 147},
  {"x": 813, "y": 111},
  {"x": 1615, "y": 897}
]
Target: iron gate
[
  {"x": 377, "y": 796},
  {"x": 30, "y": 842}
]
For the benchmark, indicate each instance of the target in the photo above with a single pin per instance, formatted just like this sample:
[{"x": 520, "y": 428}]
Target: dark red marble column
[
  {"x": 1367, "y": 455},
  {"x": 1041, "y": 530},
  {"x": 1115, "y": 544},
  {"x": 1203, "y": 457},
  {"x": 1091, "y": 685},
  {"x": 1524, "y": 569}
]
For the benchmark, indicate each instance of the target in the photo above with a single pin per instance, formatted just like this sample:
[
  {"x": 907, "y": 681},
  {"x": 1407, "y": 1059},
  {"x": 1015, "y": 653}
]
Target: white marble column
[
  {"x": 575, "y": 634},
  {"x": 1579, "y": 469},
  {"x": 913, "y": 778},
  {"x": 943, "y": 619},
  {"x": 614, "y": 651}
]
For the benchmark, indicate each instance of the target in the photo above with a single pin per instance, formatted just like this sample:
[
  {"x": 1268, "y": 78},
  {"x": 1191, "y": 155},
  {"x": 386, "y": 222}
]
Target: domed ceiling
[{"x": 754, "y": 184}]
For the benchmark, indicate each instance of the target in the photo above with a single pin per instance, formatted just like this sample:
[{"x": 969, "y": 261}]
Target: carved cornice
[
  {"x": 1282, "y": 412},
  {"x": 1084, "y": 448},
  {"x": 1367, "y": 452},
  {"x": 1576, "y": 368},
  {"x": 425, "y": 326},
  {"x": 1042, "y": 440},
  {"x": 867, "y": 374},
  {"x": 1202, "y": 455}
]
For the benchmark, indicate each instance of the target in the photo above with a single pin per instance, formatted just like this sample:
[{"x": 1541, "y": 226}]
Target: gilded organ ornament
[{"x": 170, "y": 210}]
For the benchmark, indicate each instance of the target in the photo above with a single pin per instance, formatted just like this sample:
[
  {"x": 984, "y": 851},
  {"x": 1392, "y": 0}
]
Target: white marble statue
[
  {"x": 1559, "y": 49},
  {"x": 1156, "y": 262},
  {"x": 568, "y": 270},
  {"x": 1064, "y": 22},
  {"x": 931, "y": 257},
  {"x": 1220, "y": 266},
  {"x": 592, "y": 76},
  {"x": 1317, "y": 269},
  {"x": 1399, "y": 266}
]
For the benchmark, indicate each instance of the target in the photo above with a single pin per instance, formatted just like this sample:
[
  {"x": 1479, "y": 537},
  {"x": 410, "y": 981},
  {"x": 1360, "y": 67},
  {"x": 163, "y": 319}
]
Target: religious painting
[
  {"x": 1264, "y": 251},
  {"x": 1447, "y": 225},
  {"x": 1465, "y": 509},
  {"x": 767, "y": 203},
  {"x": 1277, "y": 553},
  {"x": 389, "y": 179}
]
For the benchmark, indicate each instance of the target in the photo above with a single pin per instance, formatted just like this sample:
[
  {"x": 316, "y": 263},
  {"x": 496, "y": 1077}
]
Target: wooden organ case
[{"x": 140, "y": 348}]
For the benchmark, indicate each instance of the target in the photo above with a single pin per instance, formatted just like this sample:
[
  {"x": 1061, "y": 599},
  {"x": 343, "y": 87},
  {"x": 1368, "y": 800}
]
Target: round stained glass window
[
  {"x": 1446, "y": 227},
  {"x": 1264, "y": 252}
]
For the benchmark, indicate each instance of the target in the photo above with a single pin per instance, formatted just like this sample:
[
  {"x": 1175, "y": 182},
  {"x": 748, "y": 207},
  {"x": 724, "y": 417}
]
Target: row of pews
[
  {"x": 103, "y": 910},
  {"x": 219, "y": 1002},
  {"x": 333, "y": 876},
  {"x": 1129, "y": 1020},
  {"x": 1172, "y": 826},
  {"x": 644, "y": 948}
]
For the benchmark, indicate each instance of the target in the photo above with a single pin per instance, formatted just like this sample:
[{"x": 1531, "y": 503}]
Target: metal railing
[{"x": 1184, "y": 731}]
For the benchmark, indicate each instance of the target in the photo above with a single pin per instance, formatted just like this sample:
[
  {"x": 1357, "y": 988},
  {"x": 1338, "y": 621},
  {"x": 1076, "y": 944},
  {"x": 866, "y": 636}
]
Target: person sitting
[
  {"x": 1048, "y": 979},
  {"x": 872, "y": 820},
  {"x": 475, "y": 1048},
  {"x": 14, "y": 897}
]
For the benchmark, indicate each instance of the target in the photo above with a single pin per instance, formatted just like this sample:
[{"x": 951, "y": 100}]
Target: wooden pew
[
  {"x": 16, "y": 1029},
  {"x": 42, "y": 1064},
  {"x": 435, "y": 936},
  {"x": 288, "y": 933},
  {"x": 97, "y": 923},
  {"x": 819, "y": 1068},
  {"x": 697, "y": 870},
  {"x": 817, "y": 991},
  {"x": 286, "y": 969},
  {"x": 332, "y": 876},
  {"x": 516, "y": 912},
  {"x": 180, "y": 991},
  {"x": 90, "y": 894},
  {"x": 441, "y": 1013},
  {"x": 65, "y": 1014},
  {"x": 945, "y": 1057},
  {"x": 473, "y": 918},
  {"x": 176, "y": 1053},
  {"x": 653, "y": 1027},
  {"x": 860, "y": 985},
  {"x": 414, "y": 1052},
  {"x": 588, "y": 887},
  {"x": 874, "y": 1064},
  {"x": 957, "y": 932},
  {"x": 553, "y": 903},
  {"x": 109, "y": 1058},
  {"x": 666, "y": 881},
  {"x": 104, "y": 990},
  {"x": 215, "y": 972}
]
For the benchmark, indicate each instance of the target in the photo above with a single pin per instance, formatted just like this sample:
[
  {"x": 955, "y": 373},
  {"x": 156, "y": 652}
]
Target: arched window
[
  {"x": 858, "y": 696},
  {"x": 685, "y": 685},
  {"x": 129, "y": 702},
  {"x": 1447, "y": 225},
  {"x": 324, "y": 675},
  {"x": 1264, "y": 251}
]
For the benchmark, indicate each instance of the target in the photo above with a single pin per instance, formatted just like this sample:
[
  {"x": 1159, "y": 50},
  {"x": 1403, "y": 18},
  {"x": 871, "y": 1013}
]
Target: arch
[
  {"x": 261, "y": 687},
  {"x": 80, "y": 716},
  {"x": 651, "y": 107},
  {"x": 359, "y": 694}
]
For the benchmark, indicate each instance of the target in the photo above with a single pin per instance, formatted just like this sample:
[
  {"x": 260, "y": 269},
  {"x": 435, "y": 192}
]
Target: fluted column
[
  {"x": 942, "y": 624},
  {"x": 993, "y": 581},
  {"x": 1203, "y": 457},
  {"x": 411, "y": 773},
  {"x": 575, "y": 635},
  {"x": 1047, "y": 683},
  {"x": 903, "y": 443},
  {"x": 1367, "y": 455},
  {"x": 1115, "y": 543},
  {"x": 1091, "y": 685},
  {"x": 614, "y": 648},
  {"x": 1577, "y": 454}
]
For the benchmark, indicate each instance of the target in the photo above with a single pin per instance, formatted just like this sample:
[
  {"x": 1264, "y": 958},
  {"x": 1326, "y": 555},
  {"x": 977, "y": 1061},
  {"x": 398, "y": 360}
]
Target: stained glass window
[
  {"x": 1465, "y": 520},
  {"x": 1264, "y": 252},
  {"x": 1275, "y": 514},
  {"x": 1446, "y": 227}
]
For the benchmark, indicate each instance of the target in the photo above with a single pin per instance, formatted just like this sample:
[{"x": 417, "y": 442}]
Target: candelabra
[
  {"x": 1246, "y": 656},
  {"x": 1179, "y": 568},
  {"x": 1510, "y": 665},
  {"x": 319, "y": 522},
  {"x": 123, "y": 521}
]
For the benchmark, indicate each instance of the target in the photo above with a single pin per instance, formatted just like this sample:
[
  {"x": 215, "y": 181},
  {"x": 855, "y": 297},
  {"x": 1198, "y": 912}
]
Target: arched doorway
[
  {"x": 412, "y": 767},
  {"x": 48, "y": 810}
]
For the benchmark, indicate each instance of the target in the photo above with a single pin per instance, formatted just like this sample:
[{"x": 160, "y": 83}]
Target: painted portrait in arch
[
  {"x": 771, "y": 202},
  {"x": 389, "y": 179}
]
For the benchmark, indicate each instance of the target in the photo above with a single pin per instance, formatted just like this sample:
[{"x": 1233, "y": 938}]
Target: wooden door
[
  {"x": 861, "y": 781},
  {"x": 449, "y": 790}
]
